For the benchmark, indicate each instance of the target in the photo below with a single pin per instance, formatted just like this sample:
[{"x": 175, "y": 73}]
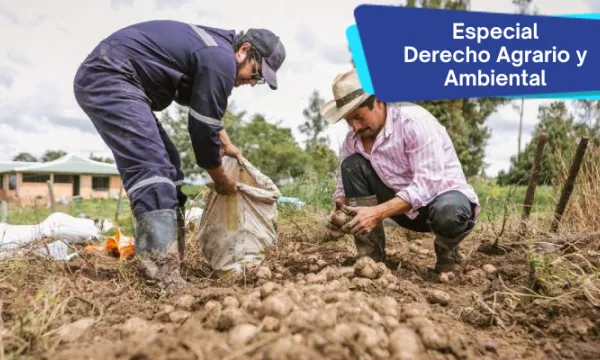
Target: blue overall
[{"x": 144, "y": 68}]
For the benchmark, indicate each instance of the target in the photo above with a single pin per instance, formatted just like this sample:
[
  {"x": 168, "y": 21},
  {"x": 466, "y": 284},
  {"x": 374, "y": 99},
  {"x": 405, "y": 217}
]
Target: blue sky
[{"x": 42, "y": 43}]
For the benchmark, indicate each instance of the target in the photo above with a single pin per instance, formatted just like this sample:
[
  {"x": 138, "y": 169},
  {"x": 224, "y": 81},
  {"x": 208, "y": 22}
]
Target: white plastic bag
[
  {"x": 236, "y": 229},
  {"x": 58, "y": 225}
]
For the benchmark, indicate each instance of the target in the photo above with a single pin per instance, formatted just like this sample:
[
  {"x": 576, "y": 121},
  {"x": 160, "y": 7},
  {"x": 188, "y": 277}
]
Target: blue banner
[{"x": 412, "y": 54}]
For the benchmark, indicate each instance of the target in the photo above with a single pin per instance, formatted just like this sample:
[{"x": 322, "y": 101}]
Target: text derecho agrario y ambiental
[{"x": 514, "y": 57}]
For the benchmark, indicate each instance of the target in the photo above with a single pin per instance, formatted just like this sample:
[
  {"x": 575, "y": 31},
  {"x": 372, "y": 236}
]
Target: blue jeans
[{"x": 450, "y": 215}]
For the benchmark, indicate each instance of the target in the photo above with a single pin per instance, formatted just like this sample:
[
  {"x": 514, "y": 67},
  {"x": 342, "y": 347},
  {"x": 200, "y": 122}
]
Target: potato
[
  {"x": 438, "y": 297},
  {"x": 323, "y": 319},
  {"x": 370, "y": 338},
  {"x": 211, "y": 313},
  {"x": 229, "y": 318},
  {"x": 269, "y": 323},
  {"x": 386, "y": 306},
  {"x": 231, "y": 302},
  {"x": 390, "y": 322},
  {"x": 432, "y": 337},
  {"x": 267, "y": 289},
  {"x": 185, "y": 302},
  {"x": 278, "y": 305},
  {"x": 251, "y": 303},
  {"x": 405, "y": 344},
  {"x": 264, "y": 273},
  {"x": 387, "y": 280},
  {"x": 242, "y": 334},
  {"x": 489, "y": 268},
  {"x": 366, "y": 267},
  {"x": 316, "y": 279},
  {"x": 340, "y": 218}
]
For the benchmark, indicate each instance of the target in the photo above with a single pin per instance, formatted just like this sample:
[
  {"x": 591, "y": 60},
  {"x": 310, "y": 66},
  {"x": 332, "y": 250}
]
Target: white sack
[
  {"x": 58, "y": 225},
  {"x": 236, "y": 229}
]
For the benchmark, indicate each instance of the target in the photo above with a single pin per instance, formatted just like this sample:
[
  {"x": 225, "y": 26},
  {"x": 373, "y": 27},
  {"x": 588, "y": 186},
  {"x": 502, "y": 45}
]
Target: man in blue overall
[{"x": 144, "y": 68}]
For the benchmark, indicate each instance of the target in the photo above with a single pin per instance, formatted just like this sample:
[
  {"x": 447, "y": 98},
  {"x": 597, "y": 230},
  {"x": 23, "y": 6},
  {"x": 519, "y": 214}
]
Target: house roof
[
  {"x": 68, "y": 164},
  {"x": 7, "y": 166}
]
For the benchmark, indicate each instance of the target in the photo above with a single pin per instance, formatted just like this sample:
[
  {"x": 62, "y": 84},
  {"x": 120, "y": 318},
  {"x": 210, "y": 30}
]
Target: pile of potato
[{"x": 332, "y": 314}]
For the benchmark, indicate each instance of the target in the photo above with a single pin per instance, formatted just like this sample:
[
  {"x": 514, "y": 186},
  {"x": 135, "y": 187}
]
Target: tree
[
  {"x": 558, "y": 123},
  {"x": 589, "y": 115},
  {"x": 315, "y": 125},
  {"x": 269, "y": 147},
  {"x": 24, "y": 156},
  {"x": 321, "y": 158},
  {"x": 51, "y": 155},
  {"x": 101, "y": 159}
]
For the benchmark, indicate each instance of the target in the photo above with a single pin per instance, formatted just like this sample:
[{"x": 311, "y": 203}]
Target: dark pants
[
  {"x": 111, "y": 94},
  {"x": 450, "y": 214}
]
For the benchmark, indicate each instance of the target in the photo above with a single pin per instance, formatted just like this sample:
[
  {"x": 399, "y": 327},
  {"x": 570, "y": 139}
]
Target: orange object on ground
[{"x": 118, "y": 246}]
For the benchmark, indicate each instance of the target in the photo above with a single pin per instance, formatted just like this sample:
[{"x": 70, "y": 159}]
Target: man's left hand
[{"x": 366, "y": 219}]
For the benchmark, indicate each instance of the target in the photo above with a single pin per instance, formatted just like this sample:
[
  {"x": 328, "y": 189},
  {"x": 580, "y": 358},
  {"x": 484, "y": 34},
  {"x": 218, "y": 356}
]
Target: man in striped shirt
[
  {"x": 143, "y": 68},
  {"x": 398, "y": 162}
]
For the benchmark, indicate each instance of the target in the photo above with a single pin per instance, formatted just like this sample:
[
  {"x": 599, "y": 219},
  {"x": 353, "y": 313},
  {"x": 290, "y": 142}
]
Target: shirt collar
[
  {"x": 386, "y": 132},
  {"x": 389, "y": 121}
]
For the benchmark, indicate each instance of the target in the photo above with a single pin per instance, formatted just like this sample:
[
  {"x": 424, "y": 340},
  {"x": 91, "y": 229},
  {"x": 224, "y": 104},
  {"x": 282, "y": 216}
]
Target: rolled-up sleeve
[
  {"x": 425, "y": 152},
  {"x": 212, "y": 86}
]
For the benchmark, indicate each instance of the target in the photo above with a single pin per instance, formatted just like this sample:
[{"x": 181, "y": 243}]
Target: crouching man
[{"x": 398, "y": 162}]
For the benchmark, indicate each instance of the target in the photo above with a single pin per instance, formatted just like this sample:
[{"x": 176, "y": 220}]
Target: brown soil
[{"x": 308, "y": 301}]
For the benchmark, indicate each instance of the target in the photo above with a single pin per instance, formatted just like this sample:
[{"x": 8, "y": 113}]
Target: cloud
[
  {"x": 175, "y": 4},
  {"x": 305, "y": 37},
  {"x": 338, "y": 55},
  {"x": 19, "y": 57},
  {"x": 9, "y": 14},
  {"x": 16, "y": 19},
  {"x": 206, "y": 14},
  {"x": 7, "y": 76},
  {"x": 44, "y": 109},
  {"x": 115, "y": 4},
  {"x": 80, "y": 123},
  {"x": 594, "y": 5},
  {"x": 14, "y": 141},
  {"x": 334, "y": 53}
]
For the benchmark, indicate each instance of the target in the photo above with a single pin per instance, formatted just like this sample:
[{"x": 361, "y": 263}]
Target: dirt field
[{"x": 308, "y": 301}]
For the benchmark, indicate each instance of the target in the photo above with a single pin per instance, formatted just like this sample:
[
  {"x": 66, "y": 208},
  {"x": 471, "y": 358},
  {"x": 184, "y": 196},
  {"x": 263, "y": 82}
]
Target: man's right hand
[{"x": 224, "y": 185}]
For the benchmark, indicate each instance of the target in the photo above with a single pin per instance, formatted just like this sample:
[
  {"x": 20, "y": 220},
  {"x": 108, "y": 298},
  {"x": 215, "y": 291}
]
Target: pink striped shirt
[{"x": 414, "y": 156}]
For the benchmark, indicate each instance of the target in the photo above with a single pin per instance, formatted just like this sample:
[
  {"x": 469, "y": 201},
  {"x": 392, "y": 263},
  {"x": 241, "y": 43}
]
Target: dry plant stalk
[
  {"x": 582, "y": 213},
  {"x": 533, "y": 181},
  {"x": 569, "y": 184}
]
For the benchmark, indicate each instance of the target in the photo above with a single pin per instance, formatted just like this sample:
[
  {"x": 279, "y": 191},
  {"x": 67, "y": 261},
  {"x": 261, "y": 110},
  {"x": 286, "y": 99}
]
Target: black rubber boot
[
  {"x": 373, "y": 244},
  {"x": 156, "y": 244},
  {"x": 448, "y": 257}
]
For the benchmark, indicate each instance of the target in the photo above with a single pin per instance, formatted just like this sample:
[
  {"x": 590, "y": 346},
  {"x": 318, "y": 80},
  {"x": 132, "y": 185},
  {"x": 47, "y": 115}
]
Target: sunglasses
[{"x": 256, "y": 75}]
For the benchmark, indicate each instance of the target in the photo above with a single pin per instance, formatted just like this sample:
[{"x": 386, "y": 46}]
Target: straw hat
[{"x": 347, "y": 94}]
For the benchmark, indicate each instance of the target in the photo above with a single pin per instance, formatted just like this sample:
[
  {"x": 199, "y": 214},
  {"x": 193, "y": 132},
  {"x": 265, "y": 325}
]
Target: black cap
[{"x": 272, "y": 51}]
